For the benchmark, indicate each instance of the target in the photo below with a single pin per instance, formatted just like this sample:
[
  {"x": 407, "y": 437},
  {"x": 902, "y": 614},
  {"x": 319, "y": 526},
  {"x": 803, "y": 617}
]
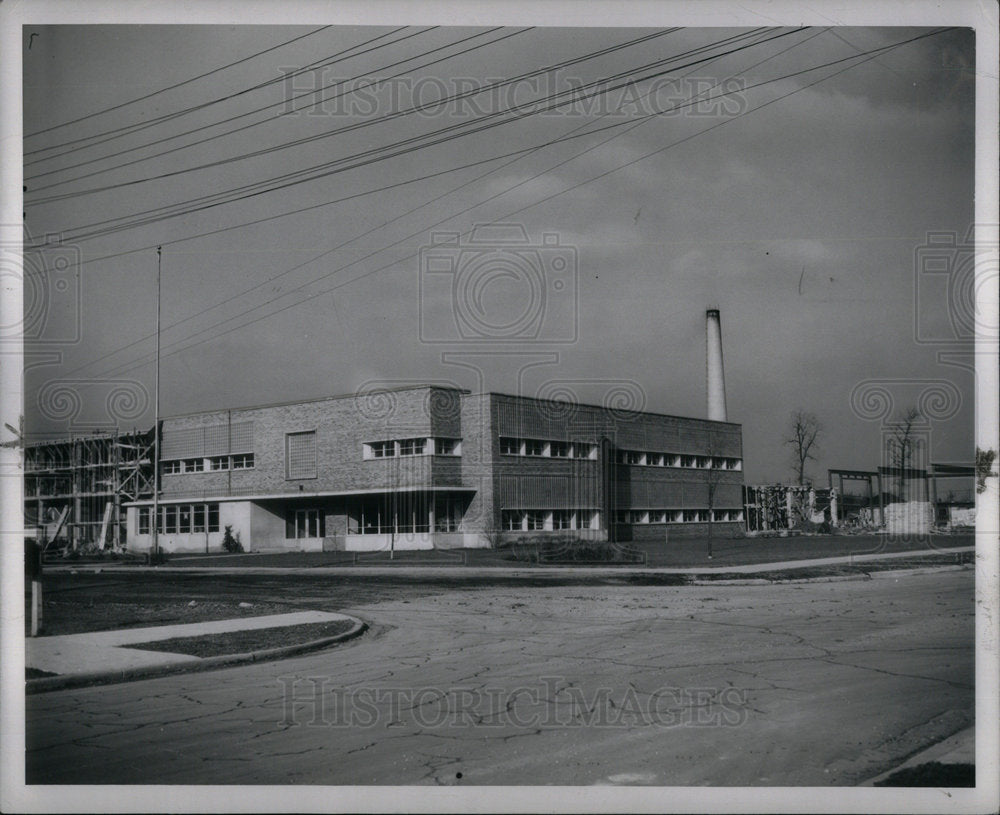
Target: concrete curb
[{"x": 46, "y": 684}]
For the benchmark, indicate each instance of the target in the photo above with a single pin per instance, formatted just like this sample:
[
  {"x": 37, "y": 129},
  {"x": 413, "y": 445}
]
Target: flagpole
[{"x": 156, "y": 416}]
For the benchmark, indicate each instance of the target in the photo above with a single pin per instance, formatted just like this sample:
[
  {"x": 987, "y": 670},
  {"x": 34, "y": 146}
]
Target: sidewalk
[{"x": 104, "y": 656}]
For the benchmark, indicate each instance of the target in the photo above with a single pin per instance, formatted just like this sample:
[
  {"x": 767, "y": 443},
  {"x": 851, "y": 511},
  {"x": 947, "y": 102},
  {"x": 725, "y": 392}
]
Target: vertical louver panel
[
  {"x": 182, "y": 443},
  {"x": 216, "y": 440},
  {"x": 241, "y": 437}
]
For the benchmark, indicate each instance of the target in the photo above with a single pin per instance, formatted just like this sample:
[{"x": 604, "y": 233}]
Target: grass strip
[{"x": 240, "y": 642}]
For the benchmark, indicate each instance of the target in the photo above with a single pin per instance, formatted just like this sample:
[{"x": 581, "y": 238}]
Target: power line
[
  {"x": 574, "y": 133},
  {"x": 175, "y": 85},
  {"x": 266, "y": 120},
  {"x": 370, "y": 156},
  {"x": 870, "y": 55},
  {"x": 417, "y": 108},
  {"x": 127, "y": 130}
]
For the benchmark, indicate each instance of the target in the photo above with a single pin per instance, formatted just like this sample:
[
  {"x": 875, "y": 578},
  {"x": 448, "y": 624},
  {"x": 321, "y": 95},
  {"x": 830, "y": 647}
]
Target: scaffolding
[{"x": 75, "y": 489}]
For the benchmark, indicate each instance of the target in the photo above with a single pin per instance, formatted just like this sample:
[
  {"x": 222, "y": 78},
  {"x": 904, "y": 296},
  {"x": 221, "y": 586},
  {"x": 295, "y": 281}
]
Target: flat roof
[
  {"x": 399, "y": 389},
  {"x": 463, "y": 391}
]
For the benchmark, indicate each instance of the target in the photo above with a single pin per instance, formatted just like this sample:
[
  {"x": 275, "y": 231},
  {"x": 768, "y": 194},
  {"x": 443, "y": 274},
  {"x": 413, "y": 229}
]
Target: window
[
  {"x": 412, "y": 513},
  {"x": 218, "y": 463},
  {"x": 559, "y": 449},
  {"x": 511, "y": 519},
  {"x": 447, "y": 512},
  {"x": 584, "y": 450},
  {"x": 689, "y": 461},
  {"x": 658, "y": 516},
  {"x": 536, "y": 519},
  {"x": 654, "y": 459},
  {"x": 412, "y": 447},
  {"x": 243, "y": 461},
  {"x": 181, "y": 519},
  {"x": 194, "y": 465},
  {"x": 638, "y": 516},
  {"x": 563, "y": 519},
  {"x": 510, "y": 447},
  {"x": 383, "y": 449},
  {"x": 172, "y": 467},
  {"x": 305, "y": 523},
  {"x": 300, "y": 455},
  {"x": 448, "y": 447},
  {"x": 534, "y": 447}
]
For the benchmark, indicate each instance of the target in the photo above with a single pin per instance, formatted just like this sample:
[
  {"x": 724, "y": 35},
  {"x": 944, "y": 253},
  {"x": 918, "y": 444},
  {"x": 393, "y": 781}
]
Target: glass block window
[{"x": 300, "y": 455}]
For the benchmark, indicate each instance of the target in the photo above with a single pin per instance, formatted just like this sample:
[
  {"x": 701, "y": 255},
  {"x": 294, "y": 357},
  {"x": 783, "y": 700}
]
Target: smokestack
[{"x": 714, "y": 377}]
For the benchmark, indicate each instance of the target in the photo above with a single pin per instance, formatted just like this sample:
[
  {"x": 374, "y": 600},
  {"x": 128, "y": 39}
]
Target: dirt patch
[{"x": 241, "y": 642}]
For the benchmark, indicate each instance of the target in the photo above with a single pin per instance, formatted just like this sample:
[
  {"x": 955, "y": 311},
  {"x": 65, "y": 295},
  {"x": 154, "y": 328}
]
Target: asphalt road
[{"x": 806, "y": 684}]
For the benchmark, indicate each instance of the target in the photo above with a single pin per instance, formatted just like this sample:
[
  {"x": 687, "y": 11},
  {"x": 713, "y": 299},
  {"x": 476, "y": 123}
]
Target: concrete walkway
[{"x": 108, "y": 651}]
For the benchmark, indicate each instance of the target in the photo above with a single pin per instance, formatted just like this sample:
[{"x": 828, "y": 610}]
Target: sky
[{"x": 796, "y": 199}]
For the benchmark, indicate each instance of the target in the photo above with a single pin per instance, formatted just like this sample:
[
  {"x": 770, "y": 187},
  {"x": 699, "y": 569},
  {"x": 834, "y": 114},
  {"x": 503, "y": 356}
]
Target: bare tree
[
  {"x": 901, "y": 444},
  {"x": 804, "y": 430}
]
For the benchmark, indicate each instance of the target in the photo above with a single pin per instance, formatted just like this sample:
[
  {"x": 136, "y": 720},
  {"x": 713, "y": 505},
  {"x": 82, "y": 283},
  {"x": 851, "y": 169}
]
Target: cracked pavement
[{"x": 770, "y": 685}]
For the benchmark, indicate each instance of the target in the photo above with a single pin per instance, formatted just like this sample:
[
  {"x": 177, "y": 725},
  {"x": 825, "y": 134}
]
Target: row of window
[
  {"x": 547, "y": 448},
  {"x": 423, "y": 446},
  {"x": 513, "y": 520},
  {"x": 676, "y": 516},
  {"x": 405, "y": 513},
  {"x": 242, "y": 461},
  {"x": 181, "y": 519},
  {"x": 647, "y": 459}
]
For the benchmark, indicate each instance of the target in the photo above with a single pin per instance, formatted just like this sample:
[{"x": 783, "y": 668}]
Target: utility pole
[{"x": 156, "y": 418}]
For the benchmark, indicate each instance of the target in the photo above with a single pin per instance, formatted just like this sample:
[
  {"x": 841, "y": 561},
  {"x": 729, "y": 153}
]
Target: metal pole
[{"x": 156, "y": 416}]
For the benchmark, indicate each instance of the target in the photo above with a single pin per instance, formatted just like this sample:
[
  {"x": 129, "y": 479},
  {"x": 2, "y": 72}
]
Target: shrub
[{"x": 230, "y": 542}]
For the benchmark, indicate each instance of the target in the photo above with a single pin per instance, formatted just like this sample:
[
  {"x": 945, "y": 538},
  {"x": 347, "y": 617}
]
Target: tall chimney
[{"x": 714, "y": 377}]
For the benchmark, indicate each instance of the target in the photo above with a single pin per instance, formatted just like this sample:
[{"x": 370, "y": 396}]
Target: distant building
[{"x": 429, "y": 466}]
